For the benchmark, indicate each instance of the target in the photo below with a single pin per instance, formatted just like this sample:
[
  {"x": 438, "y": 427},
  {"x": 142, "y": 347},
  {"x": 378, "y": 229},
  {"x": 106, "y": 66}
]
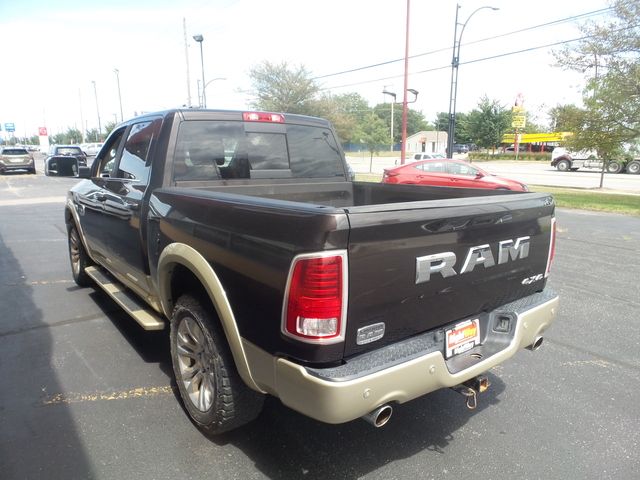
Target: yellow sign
[
  {"x": 519, "y": 121},
  {"x": 518, "y": 117},
  {"x": 536, "y": 137}
]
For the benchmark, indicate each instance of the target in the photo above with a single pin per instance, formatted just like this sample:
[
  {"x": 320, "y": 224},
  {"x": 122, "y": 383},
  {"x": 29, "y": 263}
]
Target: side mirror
[
  {"x": 479, "y": 175},
  {"x": 62, "y": 166},
  {"x": 84, "y": 172}
]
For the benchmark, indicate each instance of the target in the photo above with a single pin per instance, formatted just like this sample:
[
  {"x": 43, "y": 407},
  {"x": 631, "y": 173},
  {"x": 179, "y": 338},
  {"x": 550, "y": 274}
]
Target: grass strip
[{"x": 595, "y": 200}]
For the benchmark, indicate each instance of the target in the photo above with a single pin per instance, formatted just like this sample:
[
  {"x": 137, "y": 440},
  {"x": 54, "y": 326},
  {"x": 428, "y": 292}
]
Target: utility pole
[
  {"x": 199, "y": 38},
  {"x": 117, "y": 72},
  {"x": 82, "y": 130},
  {"x": 95, "y": 92},
  {"x": 403, "y": 147},
  {"x": 186, "y": 56}
]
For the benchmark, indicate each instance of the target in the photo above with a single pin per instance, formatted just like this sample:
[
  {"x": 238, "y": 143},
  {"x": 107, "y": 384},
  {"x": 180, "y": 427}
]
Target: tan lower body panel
[{"x": 342, "y": 401}]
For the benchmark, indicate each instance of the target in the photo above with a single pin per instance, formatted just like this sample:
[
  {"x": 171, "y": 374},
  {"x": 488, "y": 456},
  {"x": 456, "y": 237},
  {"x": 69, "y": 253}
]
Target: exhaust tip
[
  {"x": 380, "y": 416},
  {"x": 536, "y": 344}
]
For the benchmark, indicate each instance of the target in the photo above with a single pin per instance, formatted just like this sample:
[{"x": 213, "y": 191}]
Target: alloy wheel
[{"x": 195, "y": 361}]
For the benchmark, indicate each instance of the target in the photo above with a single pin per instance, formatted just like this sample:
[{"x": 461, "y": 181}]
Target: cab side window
[
  {"x": 107, "y": 160},
  {"x": 134, "y": 163}
]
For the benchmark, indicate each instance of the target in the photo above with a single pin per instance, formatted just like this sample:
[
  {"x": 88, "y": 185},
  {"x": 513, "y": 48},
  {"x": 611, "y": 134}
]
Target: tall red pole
[{"x": 403, "y": 150}]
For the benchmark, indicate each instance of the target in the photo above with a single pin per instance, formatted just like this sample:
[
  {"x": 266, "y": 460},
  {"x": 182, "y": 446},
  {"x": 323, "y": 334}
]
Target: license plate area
[{"x": 462, "y": 337}]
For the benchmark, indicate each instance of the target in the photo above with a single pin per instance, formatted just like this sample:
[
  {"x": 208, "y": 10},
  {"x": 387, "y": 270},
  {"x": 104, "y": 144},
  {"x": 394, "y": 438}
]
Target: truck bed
[{"x": 251, "y": 239}]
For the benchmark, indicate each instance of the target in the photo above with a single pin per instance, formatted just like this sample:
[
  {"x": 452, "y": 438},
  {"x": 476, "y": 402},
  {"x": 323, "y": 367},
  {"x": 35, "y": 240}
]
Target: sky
[{"x": 59, "y": 56}]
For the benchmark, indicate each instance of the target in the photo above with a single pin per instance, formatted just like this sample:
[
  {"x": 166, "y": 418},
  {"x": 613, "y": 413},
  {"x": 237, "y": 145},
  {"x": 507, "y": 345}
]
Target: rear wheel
[
  {"x": 214, "y": 395},
  {"x": 563, "y": 165},
  {"x": 614, "y": 166},
  {"x": 79, "y": 258},
  {"x": 634, "y": 167}
]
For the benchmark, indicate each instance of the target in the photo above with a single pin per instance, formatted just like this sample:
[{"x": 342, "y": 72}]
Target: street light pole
[
  {"x": 117, "y": 72},
  {"x": 455, "y": 63},
  {"x": 95, "y": 93},
  {"x": 199, "y": 38},
  {"x": 403, "y": 147},
  {"x": 211, "y": 81},
  {"x": 393, "y": 95}
]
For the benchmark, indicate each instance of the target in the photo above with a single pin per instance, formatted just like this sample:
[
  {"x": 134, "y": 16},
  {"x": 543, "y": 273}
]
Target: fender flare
[
  {"x": 186, "y": 256},
  {"x": 75, "y": 219}
]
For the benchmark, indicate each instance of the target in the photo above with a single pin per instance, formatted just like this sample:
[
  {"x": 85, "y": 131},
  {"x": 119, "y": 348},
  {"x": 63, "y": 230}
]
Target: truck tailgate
[{"x": 418, "y": 266}]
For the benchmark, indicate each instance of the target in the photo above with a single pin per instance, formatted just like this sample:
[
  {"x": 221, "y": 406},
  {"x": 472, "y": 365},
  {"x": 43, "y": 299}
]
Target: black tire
[
  {"x": 633, "y": 167},
  {"x": 78, "y": 258},
  {"x": 564, "y": 165},
  {"x": 214, "y": 395},
  {"x": 32, "y": 171},
  {"x": 614, "y": 166}
]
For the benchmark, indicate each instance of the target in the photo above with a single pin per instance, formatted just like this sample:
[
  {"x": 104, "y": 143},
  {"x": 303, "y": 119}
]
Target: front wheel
[
  {"x": 79, "y": 258},
  {"x": 563, "y": 165},
  {"x": 214, "y": 395},
  {"x": 614, "y": 167},
  {"x": 634, "y": 167}
]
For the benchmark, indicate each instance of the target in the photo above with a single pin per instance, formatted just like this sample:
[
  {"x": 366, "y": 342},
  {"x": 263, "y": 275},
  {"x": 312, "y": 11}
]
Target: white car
[
  {"x": 427, "y": 156},
  {"x": 91, "y": 149}
]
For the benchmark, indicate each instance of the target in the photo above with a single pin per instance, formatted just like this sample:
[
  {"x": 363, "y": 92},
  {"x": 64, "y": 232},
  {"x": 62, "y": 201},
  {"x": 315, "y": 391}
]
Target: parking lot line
[{"x": 139, "y": 392}]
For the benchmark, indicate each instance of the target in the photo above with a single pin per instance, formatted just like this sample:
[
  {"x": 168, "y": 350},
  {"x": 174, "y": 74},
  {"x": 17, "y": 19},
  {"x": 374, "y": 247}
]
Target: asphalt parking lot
[{"x": 86, "y": 394}]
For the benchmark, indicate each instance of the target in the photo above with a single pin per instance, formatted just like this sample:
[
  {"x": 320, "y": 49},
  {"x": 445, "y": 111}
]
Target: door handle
[{"x": 101, "y": 197}]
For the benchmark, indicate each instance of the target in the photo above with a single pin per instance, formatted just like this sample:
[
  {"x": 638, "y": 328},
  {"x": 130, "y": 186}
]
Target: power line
[
  {"x": 429, "y": 70},
  {"x": 380, "y": 64},
  {"x": 525, "y": 50}
]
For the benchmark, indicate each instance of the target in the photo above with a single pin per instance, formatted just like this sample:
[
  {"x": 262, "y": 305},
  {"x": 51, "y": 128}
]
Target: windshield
[
  {"x": 69, "y": 151},
  {"x": 14, "y": 151}
]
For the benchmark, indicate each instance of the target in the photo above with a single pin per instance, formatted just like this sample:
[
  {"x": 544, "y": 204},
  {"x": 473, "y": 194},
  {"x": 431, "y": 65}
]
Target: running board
[{"x": 134, "y": 306}]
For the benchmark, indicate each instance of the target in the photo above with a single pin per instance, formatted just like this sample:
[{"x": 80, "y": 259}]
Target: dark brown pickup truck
[{"x": 278, "y": 275}]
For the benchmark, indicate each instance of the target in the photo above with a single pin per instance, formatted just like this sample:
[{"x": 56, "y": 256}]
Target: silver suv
[{"x": 16, "y": 158}]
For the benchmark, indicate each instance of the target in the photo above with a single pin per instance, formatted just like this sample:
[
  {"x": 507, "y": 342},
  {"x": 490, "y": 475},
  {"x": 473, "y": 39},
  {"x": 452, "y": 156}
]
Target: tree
[
  {"x": 93, "y": 135},
  {"x": 486, "y": 124},
  {"x": 461, "y": 135},
  {"x": 415, "y": 120},
  {"x": 108, "y": 128},
  {"x": 280, "y": 88},
  {"x": 71, "y": 136},
  {"x": 564, "y": 117},
  {"x": 373, "y": 133},
  {"x": 345, "y": 112},
  {"x": 611, "y": 53}
]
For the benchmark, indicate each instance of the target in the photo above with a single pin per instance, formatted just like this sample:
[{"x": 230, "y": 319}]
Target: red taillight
[
  {"x": 315, "y": 298},
  {"x": 552, "y": 246},
  {"x": 263, "y": 117},
  {"x": 388, "y": 174}
]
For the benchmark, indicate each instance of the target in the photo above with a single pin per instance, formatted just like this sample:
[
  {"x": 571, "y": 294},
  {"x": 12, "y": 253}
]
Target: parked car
[
  {"x": 449, "y": 173},
  {"x": 460, "y": 148},
  {"x": 91, "y": 149},
  {"x": 427, "y": 156},
  {"x": 68, "y": 151},
  {"x": 16, "y": 158}
]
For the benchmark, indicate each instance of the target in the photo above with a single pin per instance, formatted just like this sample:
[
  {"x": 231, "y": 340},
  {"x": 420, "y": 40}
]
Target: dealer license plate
[{"x": 462, "y": 337}]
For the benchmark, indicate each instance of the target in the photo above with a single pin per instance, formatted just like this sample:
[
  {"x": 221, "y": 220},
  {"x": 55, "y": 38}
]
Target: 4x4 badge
[{"x": 534, "y": 279}]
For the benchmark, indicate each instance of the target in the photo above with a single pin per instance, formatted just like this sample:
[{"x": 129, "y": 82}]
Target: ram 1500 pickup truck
[{"x": 276, "y": 274}]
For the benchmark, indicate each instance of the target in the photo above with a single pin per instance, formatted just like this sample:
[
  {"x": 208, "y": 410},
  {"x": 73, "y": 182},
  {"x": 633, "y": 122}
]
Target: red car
[{"x": 449, "y": 173}]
